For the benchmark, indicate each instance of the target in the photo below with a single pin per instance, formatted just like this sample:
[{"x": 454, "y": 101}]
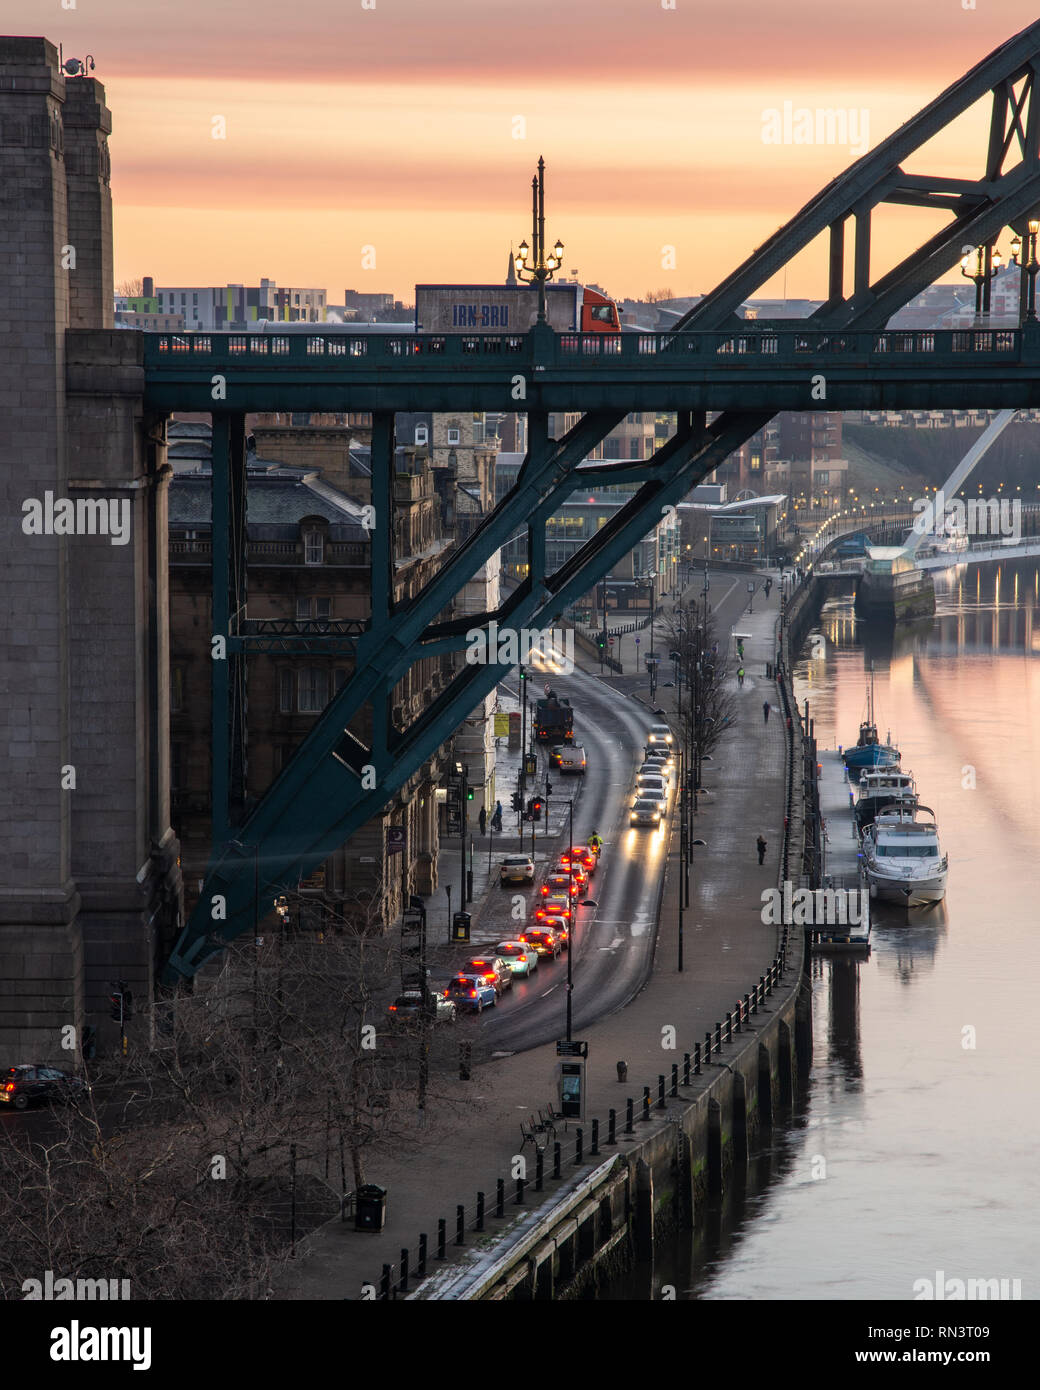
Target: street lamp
[
  {"x": 1029, "y": 268},
  {"x": 979, "y": 266},
  {"x": 531, "y": 263}
]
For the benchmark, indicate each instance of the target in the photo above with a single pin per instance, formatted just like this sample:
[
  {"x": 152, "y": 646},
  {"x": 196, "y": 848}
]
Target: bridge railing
[{"x": 417, "y": 350}]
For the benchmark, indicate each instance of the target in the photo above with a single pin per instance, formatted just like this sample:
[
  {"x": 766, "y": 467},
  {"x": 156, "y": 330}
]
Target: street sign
[
  {"x": 395, "y": 839},
  {"x": 610, "y": 641},
  {"x": 573, "y": 1048}
]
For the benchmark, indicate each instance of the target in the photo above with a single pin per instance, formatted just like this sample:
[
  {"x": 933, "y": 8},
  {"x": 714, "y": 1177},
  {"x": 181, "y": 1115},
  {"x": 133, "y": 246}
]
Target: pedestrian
[
  {"x": 740, "y": 677},
  {"x": 761, "y": 850},
  {"x": 765, "y": 711},
  {"x": 740, "y": 650},
  {"x": 496, "y": 819},
  {"x": 482, "y": 818}
]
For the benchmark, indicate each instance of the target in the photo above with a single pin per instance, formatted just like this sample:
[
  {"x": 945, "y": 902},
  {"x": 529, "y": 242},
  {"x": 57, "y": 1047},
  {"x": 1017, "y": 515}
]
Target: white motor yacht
[{"x": 902, "y": 857}]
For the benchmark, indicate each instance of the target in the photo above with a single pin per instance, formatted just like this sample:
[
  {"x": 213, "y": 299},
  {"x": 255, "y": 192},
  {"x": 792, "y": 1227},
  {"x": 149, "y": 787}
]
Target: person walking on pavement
[
  {"x": 482, "y": 818},
  {"x": 740, "y": 677},
  {"x": 761, "y": 850},
  {"x": 740, "y": 650},
  {"x": 496, "y": 819},
  {"x": 765, "y": 711}
]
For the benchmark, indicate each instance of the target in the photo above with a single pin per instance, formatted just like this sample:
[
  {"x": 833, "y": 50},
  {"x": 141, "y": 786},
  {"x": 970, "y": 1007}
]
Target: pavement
[{"x": 471, "y": 1135}]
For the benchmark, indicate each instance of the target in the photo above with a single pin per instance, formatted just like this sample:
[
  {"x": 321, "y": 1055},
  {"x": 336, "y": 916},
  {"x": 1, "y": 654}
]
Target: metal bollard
[
  {"x": 403, "y": 1286},
  {"x": 520, "y": 1185},
  {"x": 442, "y": 1237},
  {"x": 420, "y": 1268},
  {"x": 660, "y": 1092},
  {"x": 557, "y": 1158},
  {"x": 747, "y": 1007},
  {"x": 460, "y": 1225},
  {"x": 718, "y": 1037},
  {"x": 612, "y": 1127},
  {"x": 697, "y": 1060},
  {"x": 384, "y": 1282},
  {"x": 539, "y": 1171},
  {"x": 738, "y": 1011},
  {"x": 500, "y": 1197},
  {"x": 729, "y": 1026},
  {"x": 630, "y": 1106},
  {"x": 675, "y": 1079},
  {"x": 646, "y": 1103},
  {"x": 480, "y": 1211},
  {"x": 707, "y": 1046},
  {"x": 594, "y": 1151},
  {"x": 686, "y": 1069}
]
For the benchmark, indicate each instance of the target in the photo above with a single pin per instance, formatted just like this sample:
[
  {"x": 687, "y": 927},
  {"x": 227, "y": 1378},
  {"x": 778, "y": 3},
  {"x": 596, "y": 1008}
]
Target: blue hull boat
[{"x": 869, "y": 750}]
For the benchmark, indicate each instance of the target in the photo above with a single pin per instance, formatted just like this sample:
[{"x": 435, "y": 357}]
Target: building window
[
  {"x": 824, "y": 477},
  {"x": 303, "y": 610},
  {"x": 285, "y": 691},
  {"x": 313, "y": 548},
  {"x": 422, "y": 434},
  {"x": 323, "y": 608},
  {"x": 313, "y": 689},
  {"x": 454, "y": 437}
]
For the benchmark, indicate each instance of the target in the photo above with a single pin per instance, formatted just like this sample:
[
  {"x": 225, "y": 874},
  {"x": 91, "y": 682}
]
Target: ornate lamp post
[
  {"x": 980, "y": 266},
  {"x": 1027, "y": 303},
  {"x": 531, "y": 263}
]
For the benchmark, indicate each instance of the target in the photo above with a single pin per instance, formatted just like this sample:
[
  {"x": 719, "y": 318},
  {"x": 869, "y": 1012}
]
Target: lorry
[
  {"x": 569, "y": 308},
  {"x": 553, "y": 721}
]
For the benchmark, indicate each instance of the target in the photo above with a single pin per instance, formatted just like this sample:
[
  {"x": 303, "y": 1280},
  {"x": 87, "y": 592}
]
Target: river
[{"x": 914, "y": 1150}]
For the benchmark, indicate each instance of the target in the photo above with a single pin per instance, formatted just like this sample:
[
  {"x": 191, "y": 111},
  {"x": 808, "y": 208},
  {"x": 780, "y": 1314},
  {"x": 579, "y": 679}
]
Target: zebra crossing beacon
[{"x": 714, "y": 365}]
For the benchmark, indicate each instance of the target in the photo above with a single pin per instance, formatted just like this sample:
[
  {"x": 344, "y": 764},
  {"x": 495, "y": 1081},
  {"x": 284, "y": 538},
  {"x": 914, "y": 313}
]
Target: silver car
[
  {"x": 517, "y": 868},
  {"x": 645, "y": 811}
]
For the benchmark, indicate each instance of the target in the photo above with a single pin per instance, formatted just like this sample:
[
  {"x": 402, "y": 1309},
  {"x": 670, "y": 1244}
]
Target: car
[
  {"x": 520, "y": 957},
  {"x": 491, "y": 968},
  {"x": 555, "y": 754},
  {"x": 559, "y": 928},
  {"x": 582, "y": 854},
  {"x": 28, "y": 1083},
  {"x": 516, "y": 868},
  {"x": 545, "y": 942},
  {"x": 471, "y": 992},
  {"x": 572, "y": 759},
  {"x": 652, "y": 787},
  {"x": 407, "y": 1007},
  {"x": 645, "y": 811},
  {"x": 561, "y": 883},
  {"x": 578, "y": 871},
  {"x": 660, "y": 734},
  {"x": 658, "y": 753},
  {"x": 553, "y": 906},
  {"x": 663, "y": 766}
]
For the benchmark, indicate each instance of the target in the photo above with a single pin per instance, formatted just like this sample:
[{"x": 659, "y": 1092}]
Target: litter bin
[
  {"x": 370, "y": 1207},
  {"x": 460, "y": 926}
]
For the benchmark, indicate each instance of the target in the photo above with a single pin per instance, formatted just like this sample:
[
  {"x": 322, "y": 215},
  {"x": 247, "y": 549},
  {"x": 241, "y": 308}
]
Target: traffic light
[
  {"x": 120, "y": 1002},
  {"x": 601, "y": 642},
  {"x": 469, "y": 794},
  {"x": 523, "y": 674},
  {"x": 517, "y": 801},
  {"x": 548, "y": 787},
  {"x": 536, "y": 804}
]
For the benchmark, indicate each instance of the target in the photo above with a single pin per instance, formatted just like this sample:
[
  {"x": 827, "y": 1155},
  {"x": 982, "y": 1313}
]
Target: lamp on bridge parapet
[
  {"x": 1030, "y": 268},
  {"x": 532, "y": 265},
  {"x": 980, "y": 266}
]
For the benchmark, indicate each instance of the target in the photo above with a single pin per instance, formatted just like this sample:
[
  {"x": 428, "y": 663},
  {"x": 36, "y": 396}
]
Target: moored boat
[
  {"x": 869, "y": 751},
  {"x": 882, "y": 787},
  {"x": 902, "y": 857}
]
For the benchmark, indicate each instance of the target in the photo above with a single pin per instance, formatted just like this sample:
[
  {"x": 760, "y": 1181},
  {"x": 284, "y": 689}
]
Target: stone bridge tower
[{"x": 90, "y": 887}]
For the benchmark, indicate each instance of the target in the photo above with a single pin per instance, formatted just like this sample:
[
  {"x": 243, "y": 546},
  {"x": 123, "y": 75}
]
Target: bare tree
[
  {"x": 130, "y": 289},
  {"x": 658, "y": 296}
]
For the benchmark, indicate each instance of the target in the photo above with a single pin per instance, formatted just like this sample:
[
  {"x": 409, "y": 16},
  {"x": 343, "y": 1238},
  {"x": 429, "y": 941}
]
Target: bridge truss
[{"x": 335, "y": 782}]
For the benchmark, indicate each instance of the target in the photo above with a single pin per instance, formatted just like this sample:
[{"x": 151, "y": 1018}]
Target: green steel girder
[{"x": 319, "y": 800}]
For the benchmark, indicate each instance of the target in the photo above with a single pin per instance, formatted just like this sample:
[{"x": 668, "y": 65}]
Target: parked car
[
  {"x": 645, "y": 811},
  {"x": 407, "y": 1007},
  {"x": 471, "y": 992},
  {"x": 561, "y": 883},
  {"x": 520, "y": 957},
  {"x": 660, "y": 734},
  {"x": 546, "y": 943},
  {"x": 492, "y": 968},
  {"x": 517, "y": 868},
  {"x": 27, "y": 1084}
]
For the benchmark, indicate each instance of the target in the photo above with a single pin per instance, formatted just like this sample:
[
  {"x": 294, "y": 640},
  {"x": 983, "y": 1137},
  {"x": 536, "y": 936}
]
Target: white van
[{"x": 572, "y": 758}]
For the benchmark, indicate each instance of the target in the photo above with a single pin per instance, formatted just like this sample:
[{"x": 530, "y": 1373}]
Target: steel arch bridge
[{"x": 714, "y": 361}]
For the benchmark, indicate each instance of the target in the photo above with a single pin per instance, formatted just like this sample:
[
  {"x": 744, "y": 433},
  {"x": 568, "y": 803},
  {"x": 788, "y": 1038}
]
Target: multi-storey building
[{"x": 212, "y": 308}]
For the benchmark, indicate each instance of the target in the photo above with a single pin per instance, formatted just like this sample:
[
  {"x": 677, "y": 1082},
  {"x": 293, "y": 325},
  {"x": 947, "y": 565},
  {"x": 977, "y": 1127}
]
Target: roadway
[{"x": 614, "y": 940}]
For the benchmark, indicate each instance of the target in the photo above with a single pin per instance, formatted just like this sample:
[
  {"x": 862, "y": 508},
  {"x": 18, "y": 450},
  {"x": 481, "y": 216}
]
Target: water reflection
[{"x": 918, "y": 1099}]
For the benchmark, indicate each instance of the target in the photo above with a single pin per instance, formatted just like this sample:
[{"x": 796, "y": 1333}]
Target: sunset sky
[{"x": 394, "y": 127}]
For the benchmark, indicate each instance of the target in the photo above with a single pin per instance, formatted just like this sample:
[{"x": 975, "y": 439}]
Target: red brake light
[
  {"x": 9, "y": 1086},
  {"x": 473, "y": 994}
]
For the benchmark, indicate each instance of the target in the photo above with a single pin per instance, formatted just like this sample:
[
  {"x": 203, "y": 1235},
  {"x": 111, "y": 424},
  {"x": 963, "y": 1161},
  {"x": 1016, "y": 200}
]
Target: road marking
[{"x": 549, "y": 991}]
